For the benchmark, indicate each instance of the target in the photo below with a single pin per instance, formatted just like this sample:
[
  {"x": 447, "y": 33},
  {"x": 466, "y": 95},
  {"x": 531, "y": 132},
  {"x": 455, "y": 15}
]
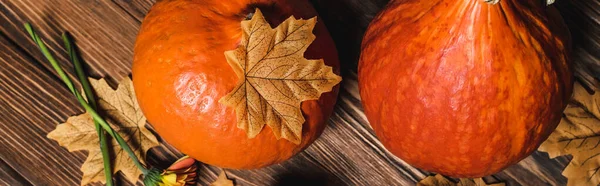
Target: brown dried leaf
[
  {"x": 274, "y": 77},
  {"x": 476, "y": 182},
  {"x": 439, "y": 180},
  {"x": 578, "y": 134},
  {"x": 222, "y": 180},
  {"x": 123, "y": 113}
]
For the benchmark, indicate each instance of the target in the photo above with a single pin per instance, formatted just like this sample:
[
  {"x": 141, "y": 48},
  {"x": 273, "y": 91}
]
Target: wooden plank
[
  {"x": 28, "y": 102},
  {"x": 136, "y": 8},
  {"x": 10, "y": 176},
  {"x": 536, "y": 169},
  {"x": 105, "y": 33}
]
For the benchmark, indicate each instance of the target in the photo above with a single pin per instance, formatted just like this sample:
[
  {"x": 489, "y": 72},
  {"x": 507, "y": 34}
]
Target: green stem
[
  {"x": 92, "y": 101},
  {"x": 83, "y": 103},
  {"x": 111, "y": 132}
]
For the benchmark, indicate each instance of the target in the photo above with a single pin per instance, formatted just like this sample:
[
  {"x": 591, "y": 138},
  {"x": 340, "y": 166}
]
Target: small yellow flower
[{"x": 180, "y": 173}]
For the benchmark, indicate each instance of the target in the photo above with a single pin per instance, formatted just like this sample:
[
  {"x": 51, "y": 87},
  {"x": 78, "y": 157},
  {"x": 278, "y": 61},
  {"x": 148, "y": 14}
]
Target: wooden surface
[{"x": 33, "y": 100}]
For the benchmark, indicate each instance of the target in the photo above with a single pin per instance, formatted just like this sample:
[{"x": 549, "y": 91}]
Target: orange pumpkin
[
  {"x": 180, "y": 72},
  {"x": 462, "y": 87}
]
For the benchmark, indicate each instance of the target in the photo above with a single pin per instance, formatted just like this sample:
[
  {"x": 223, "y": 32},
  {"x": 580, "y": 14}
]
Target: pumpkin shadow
[
  {"x": 347, "y": 22},
  {"x": 300, "y": 179},
  {"x": 580, "y": 18}
]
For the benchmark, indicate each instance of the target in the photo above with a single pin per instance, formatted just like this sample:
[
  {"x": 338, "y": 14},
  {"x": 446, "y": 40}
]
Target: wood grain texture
[
  {"x": 11, "y": 176},
  {"x": 33, "y": 100}
]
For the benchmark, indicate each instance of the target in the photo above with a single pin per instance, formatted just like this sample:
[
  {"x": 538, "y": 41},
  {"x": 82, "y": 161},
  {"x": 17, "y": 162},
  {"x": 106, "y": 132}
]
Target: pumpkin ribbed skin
[
  {"x": 464, "y": 88},
  {"x": 180, "y": 73}
]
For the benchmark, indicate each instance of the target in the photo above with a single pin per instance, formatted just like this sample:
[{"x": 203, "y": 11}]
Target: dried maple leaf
[
  {"x": 274, "y": 77},
  {"x": 439, "y": 180},
  {"x": 578, "y": 134},
  {"x": 222, "y": 180},
  {"x": 123, "y": 113}
]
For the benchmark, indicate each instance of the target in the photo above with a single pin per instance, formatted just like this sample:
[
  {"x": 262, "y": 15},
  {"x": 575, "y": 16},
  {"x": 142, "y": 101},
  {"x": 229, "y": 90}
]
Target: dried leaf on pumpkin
[
  {"x": 439, "y": 180},
  {"x": 274, "y": 77},
  {"x": 578, "y": 134},
  {"x": 123, "y": 113}
]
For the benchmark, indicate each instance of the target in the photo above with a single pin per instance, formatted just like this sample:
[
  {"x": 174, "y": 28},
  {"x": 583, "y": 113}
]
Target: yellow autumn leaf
[
  {"x": 123, "y": 113},
  {"x": 439, "y": 180},
  {"x": 222, "y": 180},
  {"x": 578, "y": 134},
  {"x": 274, "y": 77}
]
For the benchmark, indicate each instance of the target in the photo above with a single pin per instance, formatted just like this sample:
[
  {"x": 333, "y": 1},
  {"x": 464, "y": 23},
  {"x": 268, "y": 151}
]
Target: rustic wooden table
[{"x": 33, "y": 100}]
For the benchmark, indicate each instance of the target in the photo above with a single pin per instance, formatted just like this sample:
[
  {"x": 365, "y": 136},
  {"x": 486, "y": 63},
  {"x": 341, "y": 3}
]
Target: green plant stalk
[
  {"x": 92, "y": 101},
  {"x": 83, "y": 103}
]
